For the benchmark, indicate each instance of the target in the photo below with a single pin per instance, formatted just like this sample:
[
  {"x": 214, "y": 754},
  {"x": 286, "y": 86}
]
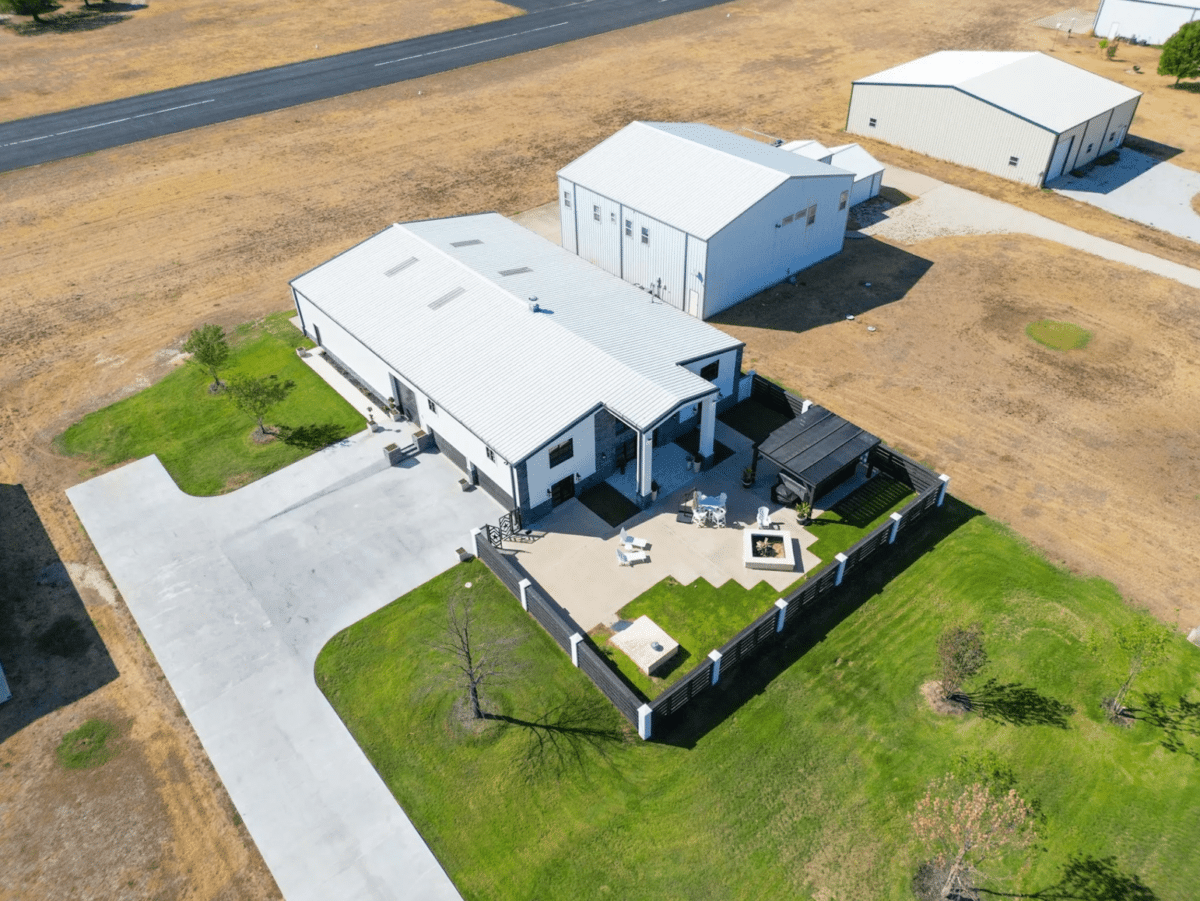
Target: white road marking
[
  {"x": 472, "y": 44},
  {"x": 156, "y": 112}
]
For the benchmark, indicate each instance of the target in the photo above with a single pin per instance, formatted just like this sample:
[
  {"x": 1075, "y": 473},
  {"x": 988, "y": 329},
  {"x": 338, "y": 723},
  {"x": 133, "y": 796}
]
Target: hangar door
[{"x": 1061, "y": 154}]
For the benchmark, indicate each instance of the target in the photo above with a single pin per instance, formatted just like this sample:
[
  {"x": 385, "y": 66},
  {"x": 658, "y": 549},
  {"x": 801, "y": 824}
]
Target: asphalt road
[{"x": 41, "y": 139}]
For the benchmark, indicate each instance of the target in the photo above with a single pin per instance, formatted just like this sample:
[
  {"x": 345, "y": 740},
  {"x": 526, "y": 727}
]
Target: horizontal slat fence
[{"x": 596, "y": 669}]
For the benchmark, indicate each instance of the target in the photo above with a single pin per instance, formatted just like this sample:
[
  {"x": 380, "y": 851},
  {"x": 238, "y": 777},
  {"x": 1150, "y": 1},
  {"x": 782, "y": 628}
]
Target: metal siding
[
  {"x": 947, "y": 124},
  {"x": 599, "y": 242},
  {"x": 752, "y": 253},
  {"x": 1095, "y": 133},
  {"x": 1122, "y": 119},
  {"x": 696, "y": 278},
  {"x": 1150, "y": 22},
  {"x": 662, "y": 258},
  {"x": 566, "y": 215}
]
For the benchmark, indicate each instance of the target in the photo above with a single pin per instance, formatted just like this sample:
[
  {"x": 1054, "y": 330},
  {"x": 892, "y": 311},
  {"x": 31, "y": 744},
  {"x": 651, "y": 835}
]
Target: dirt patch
[
  {"x": 932, "y": 693},
  {"x": 1196, "y": 204}
]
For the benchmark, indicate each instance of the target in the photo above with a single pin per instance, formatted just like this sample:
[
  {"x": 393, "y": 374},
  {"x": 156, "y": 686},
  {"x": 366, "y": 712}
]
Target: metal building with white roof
[
  {"x": 538, "y": 374},
  {"x": 868, "y": 171},
  {"x": 1024, "y": 116},
  {"x": 700, "y": 217},
  {"x": 1145, "y": 21}
]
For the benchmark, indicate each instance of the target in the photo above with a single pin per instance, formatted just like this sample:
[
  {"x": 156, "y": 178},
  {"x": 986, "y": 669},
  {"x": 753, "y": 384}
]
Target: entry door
[
  {"x": 406, "y": 399},
  {"x": 563, "y": 490},
  {"x": 1061, "y": 154},
  {"x": 317, "y": 334}
]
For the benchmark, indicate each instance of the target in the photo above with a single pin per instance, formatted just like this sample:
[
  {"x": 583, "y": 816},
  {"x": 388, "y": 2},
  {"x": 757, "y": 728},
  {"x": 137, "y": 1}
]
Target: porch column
[
  {"x": 645, "y": 463},
  {"x": 708, "y": 426}
]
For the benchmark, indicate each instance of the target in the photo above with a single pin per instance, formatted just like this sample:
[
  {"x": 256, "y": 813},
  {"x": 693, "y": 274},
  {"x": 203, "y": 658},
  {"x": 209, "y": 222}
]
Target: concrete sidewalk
[{"x": 237, "y": 594}]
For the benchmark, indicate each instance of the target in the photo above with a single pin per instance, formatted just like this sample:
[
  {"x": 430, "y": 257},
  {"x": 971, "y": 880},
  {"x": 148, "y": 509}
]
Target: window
[
  {"x": 628, "y": 228},
  {"x": 812, "y": 214},
  {"x": 787, "y": 220},
  {"x": 596, "y": 212},
  {"x": 432, "y": 405},
  {"x": 567, "y": 199},
  {"x": 645, "y": 235},
  {"x": 871, "y": 122},
  {"x": 612, "y": 217},
  {"x": 562, "y": 452},
  {"x": 711, "y": 371},
  {"x": 1012, "y": 160},
  {"x": 491, "y": 454},
  {"x": 1113, "y": 136},
  {"x": 843, "y": 200},
  {"x": 1089, "y": 150}
]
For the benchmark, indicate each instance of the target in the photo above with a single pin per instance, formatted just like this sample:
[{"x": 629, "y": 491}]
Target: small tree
[
  {"x": 962, "y": 655},
  {"x": 1181, "y": 53},
  {"x": 29, "y": 7},
  {"x": 476, "y": 658},
  {"x": 1144, "y": 643},
  {"x": 209, "y": 350},
  {"x": 256, "y": 397},
  {"x": 967, "y": 826}
]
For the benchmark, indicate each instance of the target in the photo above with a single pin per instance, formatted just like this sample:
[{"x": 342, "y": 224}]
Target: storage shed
[
  {"x": 1024, "y": 116},
  {"x": 699, "y": 217},
  {"x": 1145, "y": 21},
  {"x": 868, "y": 171}
]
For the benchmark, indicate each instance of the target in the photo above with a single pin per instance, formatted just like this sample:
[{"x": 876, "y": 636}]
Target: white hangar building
[
  {"x": 868, "y": 171},
  {"x": 1147, "y": 21},
  {"x": 538, "y": 374},
  {"x": 1024, "y": 116},
  {"x": 700, "y": 217}
]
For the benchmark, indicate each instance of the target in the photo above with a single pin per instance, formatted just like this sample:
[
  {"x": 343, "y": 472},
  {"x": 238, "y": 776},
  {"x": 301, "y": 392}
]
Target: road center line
[
  {"x": 472, "y": 44},
  {"x": 156, "y": 112}
]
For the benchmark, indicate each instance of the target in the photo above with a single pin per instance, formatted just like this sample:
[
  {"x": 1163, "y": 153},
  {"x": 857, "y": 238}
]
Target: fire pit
[{"x": 766, "y": 549}]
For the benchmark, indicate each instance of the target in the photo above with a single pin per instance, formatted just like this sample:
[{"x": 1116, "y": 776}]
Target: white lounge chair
[
  {"x": 628, "y": 541},
  {"x": 764, "y": 518},
  {"x": 628, "y": 558},
  {"x": 712, "y": 500}
]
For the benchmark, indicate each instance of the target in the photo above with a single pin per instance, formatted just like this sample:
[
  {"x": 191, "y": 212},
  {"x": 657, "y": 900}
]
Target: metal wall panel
[
  {"x": 566, "y": 214},
  {"x": 655, "y": 265},
  {"x": 598, "y": 229},
  {"x": 950, "y": 125},
  {"x": 696, "y": 280},
  {"x": 1150, "y": 22}
]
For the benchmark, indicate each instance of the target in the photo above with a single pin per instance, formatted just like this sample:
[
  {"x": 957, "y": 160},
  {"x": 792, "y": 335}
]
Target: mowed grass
[
  {"x": 202, "y": 439},
  {"x": 804, "y": 790},
  {"x": 1058, "y": 335}
]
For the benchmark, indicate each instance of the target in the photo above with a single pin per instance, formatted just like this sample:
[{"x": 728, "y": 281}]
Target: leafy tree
[
  {"x": 965, "y": 826},
  {"x": 29, "y": 7},
  {"x": 209, "y": 350},
  {"x": 1181, "y": 53},
  {"x": 476, "y": 658},
  {"x": 962, "y": 655},
  {"x": 1144, "y": 643},
  {"x": 256, "y": 397}
]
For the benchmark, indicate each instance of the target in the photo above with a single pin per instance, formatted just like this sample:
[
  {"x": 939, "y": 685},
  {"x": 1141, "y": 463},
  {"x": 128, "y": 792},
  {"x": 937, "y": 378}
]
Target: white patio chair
[
  {"x": 718, "y": 517},
  {"x": 764, "y": 518},
  {"x": 628, "y": 541},
  {"x": 628, "y": 558}
]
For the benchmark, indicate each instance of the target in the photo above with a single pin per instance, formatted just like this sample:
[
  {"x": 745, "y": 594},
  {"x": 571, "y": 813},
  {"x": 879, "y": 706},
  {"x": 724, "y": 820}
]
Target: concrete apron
[{"x": 237, "y": 594}]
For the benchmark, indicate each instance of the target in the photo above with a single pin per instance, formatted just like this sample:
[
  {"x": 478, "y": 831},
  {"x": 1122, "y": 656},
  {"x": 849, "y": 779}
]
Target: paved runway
[{"x": 27, "y": 142}]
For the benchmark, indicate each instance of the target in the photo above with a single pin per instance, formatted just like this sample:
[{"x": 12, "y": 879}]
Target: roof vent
[
  {"x": 400, "y": 267},
  {"x": 446, "y": 298},
  {"x": 520, "y": 271},
  {"x": 465, "y": 243},
  {"x": 533, "y": 305}
]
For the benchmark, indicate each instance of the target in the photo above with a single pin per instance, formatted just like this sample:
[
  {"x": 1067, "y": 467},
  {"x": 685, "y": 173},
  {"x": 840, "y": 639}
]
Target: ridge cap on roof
[{"x": 780, "y": 172}]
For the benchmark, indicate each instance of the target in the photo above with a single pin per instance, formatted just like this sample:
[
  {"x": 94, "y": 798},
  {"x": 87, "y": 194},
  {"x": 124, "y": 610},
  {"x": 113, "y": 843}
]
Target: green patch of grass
[
  {"x": 88, "y": 746},
  {"x": 850, "y": 520},
  {"x": 609, "y": 504},
  {"x": 202, "y": 439},
  {"x": 805, "y": 789},
  {"x": 1058, "y": 335}
]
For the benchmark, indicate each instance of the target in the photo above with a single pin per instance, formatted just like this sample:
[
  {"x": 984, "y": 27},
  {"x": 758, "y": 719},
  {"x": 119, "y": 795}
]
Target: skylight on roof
[
  {"x": 446, "y": 298},
  {"x": 465, "y": 243},
  {"x": 521, "y": 270},
  {"x": 400, "y": 267}
]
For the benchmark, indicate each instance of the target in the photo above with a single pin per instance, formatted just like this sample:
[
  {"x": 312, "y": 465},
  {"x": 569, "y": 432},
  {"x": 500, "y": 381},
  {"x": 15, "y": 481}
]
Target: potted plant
[
  {"x": 653, "y": 490},
  {"x": 803, "y": 512},
  {"x": 748, "y": 477}
]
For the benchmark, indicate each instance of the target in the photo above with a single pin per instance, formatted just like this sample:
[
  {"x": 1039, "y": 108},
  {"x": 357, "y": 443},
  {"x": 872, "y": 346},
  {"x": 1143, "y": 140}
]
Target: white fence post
[
  {"x": 523, "y": 586},
  {"x": 575, "y": 639},
  {"x": 715, "y": 657},
  {"x": 782, "y": 615},
  {"x": 841, "y": 573},
  {"x": 644, "y": 714},
  {"x": 945, "y": 480},
  {"x": 896, "y": 517},
  {"x": 475, "y": 533}
]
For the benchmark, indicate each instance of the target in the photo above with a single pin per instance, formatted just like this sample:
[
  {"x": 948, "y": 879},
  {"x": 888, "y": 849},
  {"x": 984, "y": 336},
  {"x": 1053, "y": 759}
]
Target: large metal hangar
[
  {"x": 1024, "y": 116},
  {"x": 699, "y": 217},
  {"x": 1145, "y": 21}
]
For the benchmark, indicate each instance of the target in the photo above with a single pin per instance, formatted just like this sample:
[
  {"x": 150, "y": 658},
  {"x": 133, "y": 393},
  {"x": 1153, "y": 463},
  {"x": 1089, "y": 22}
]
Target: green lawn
[
  {"x": 1058, "y": 335},
  {"x": 203, "y": 440},
  {"x": 804, "y": 789}
]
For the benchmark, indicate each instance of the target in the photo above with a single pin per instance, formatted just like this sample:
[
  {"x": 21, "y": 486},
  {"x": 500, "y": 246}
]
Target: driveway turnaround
[
  {"x": 236, "y": 595},
  {"x": 1140, "y": 188}
]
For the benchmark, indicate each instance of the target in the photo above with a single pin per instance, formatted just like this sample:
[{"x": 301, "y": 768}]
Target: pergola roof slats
[{"x": 815, "y": 447}]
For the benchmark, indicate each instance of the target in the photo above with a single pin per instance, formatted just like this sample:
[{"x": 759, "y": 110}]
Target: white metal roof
[
  {"x": 1034, "y": 86},
  {"x": 692, "y": 176},
  {"x": 848, "y": 157},
  {"x": 464, "y": 333}
]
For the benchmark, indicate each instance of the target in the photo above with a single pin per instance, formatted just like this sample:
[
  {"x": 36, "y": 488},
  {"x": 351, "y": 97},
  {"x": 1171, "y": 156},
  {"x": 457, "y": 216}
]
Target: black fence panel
[
  {"x": 552, "y": 621},
  {"x": 594, "y": 666},
  {"x": 901, "y": 468},
  {"x": 773, "y": 397},
  {"x": 679, "y": 694},
  {"x": 746, "y": 642},
  {"x": 500, "y": 567}
]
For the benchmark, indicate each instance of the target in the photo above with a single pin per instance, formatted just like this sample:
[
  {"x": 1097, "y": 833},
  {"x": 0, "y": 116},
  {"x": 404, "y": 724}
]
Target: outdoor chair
[
  {"x": 764, "y": 519},
  {"x": 628, "y": 541},
  {"x": 712, "y": 501},
  {"x": 628, "y": 558}
]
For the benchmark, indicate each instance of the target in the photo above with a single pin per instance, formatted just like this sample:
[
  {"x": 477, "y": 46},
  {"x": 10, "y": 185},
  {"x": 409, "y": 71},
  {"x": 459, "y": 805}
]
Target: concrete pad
[
  {"x": 914, "y": 184},
  {"x": 236, "y": 595}
]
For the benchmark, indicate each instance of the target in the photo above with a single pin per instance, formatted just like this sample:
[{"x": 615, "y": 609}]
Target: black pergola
[{"x": 815, "y": 452}]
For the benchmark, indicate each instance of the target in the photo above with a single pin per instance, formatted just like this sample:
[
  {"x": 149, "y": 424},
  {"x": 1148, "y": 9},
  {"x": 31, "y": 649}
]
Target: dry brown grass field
[{"x": 111, "y": 258}]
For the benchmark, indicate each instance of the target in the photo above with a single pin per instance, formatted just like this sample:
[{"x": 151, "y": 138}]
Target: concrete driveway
[
  {"x": 1140, "y": 188},
  {"x": 236, "y": 595}
]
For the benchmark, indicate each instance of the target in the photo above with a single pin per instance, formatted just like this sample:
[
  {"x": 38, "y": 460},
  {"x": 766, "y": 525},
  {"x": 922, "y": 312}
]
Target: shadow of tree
[
  {"x": 1088, "y": 878},
  {"x": 1017, "y": 705},
  {"x": 563, "y": 737},
  {"x": 90, "y": 18},
  {"x": 313, "y": 436},
  {"x": 1178, "y": 722}
]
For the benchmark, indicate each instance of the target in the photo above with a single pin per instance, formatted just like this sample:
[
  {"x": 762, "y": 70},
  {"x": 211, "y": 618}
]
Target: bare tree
[
  {"x": 1145, "y": 643},
  {"x": 966, "y": 826},
  {"x": 962, "y": 655},
  {"x": 476, "y": 658}
]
